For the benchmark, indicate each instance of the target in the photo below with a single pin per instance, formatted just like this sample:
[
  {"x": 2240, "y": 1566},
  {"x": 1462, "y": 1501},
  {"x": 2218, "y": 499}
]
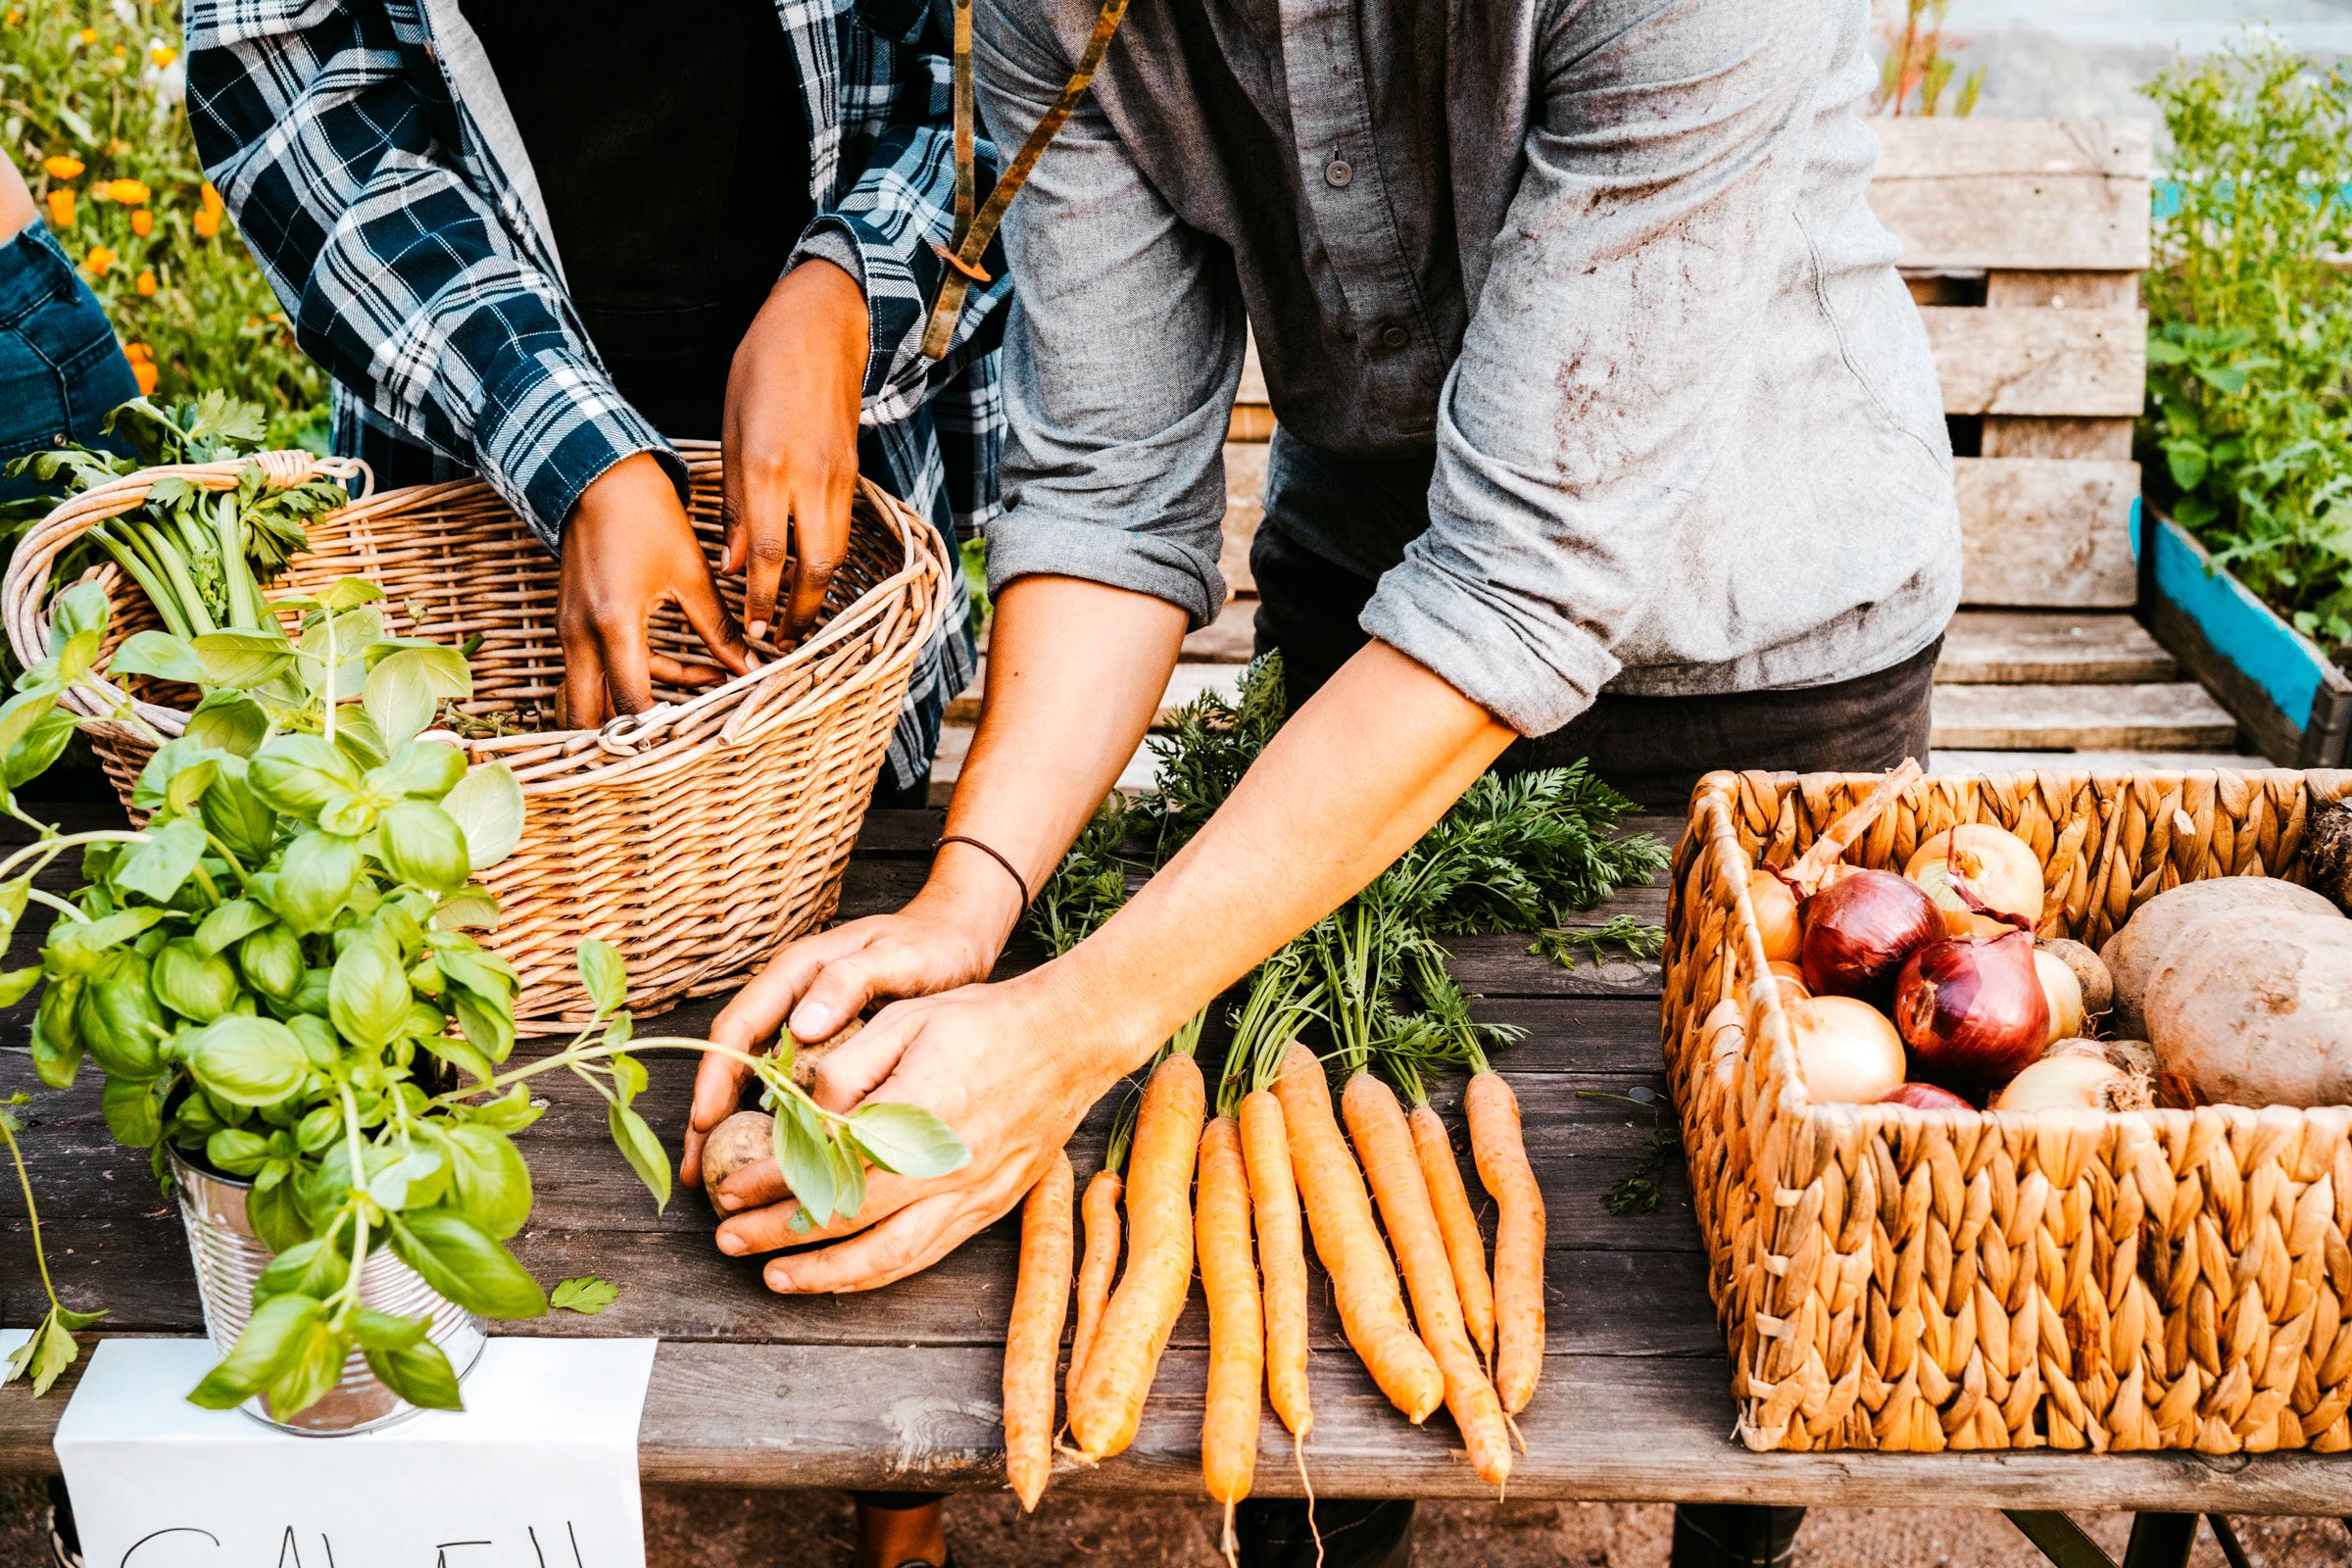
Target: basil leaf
[
  {"x": 235, "y": 815},
  {"x": 276, "y": 1215},
  {"x": 487, "y": 806},
  {"x": 157, "y": 869},
  {"x": 457, "y": 1260},
  {"x": 56, "y": 1042},
  {"x": 466, "y": 910},
  {"x": 232, "y": 921},
  {"x": 418, "y": 1373},
  {"x": 420, "y": 844},
  {"x": 270, "y": 959},
  {"x": 273, "y": 1337},
  {"x": 236, "y": 1152},
  {"x": 642, "y": 1149},
  {"x": 134, "y": 1111},
  {"x": 491, "y": 1184},
  {"x": 80, "y": 610},
  {"x": 314, "y": 880},
  {"x": 805, "y": 1156},
  {"x": 908, "y": 1138},
  {"x": 398, "y": 696},
  {"x": 229, "y": 721},
  {"x": 157, "y": 653},
  {"x": 460, "y": 1055},
  {"x": 242, "y": 659},
  {"x": 604, "y": 974},
  {"x": 424, "y": 771},
  {"x": 301, "y": 773},
  {"x": 246, "y": 1061},
  {"x": 41, "y": 746},
  {"x": 367, "y": 997},
  {"x": 381, "y": 1330},
  {"x": 119, "y": 1019},
  {"x": 197, "y": 985},
  {"x": 313, "y": 1370},
  {"x": 488, "y": 1026},
  {"x": 315, "y": 1268}
]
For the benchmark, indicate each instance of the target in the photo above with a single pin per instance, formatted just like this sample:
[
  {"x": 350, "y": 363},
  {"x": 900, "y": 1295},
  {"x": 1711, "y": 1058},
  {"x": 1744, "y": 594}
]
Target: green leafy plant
[
  {"x": 92, "y": 110},
  {"x": 277, "y": 978},
  {"x": 2250, "y": 421},
  {"x": 586, "y": 1296}
]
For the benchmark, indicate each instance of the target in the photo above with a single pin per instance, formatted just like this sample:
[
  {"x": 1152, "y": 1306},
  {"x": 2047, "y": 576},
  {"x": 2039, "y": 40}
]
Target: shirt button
[
  {"x": 1395, "y": 337},
  {"x": 1338, "y": 172}
]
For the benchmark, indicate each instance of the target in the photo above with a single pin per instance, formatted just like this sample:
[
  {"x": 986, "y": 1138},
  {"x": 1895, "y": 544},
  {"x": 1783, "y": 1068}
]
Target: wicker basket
[
  {"x": 694, "y": 837},
  {"x": 1896, "y": 1279}
]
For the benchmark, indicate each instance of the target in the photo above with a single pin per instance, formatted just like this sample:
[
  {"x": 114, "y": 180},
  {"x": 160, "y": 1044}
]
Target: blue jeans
[{"x": 61, "y": 371}]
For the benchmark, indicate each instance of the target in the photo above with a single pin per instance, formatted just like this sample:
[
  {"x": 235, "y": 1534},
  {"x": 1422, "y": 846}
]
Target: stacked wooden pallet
[{"x": 2023, "y": 242}]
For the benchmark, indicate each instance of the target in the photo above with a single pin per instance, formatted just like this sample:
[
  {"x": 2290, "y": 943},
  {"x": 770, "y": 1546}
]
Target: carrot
[
  {"x": 1134, "y": 1325},
  {"x": 1347, "y": 1238},
  {"x": 1100, "y": 1213},
  {"x": 1281, "y": 1257},
  {"x": 1465, "y": 1247},
  {"x": 1382, "y": 1142},
  {"x": 1237, "y": 1343},
  {"x": 1041, "y": 1296},
  {"x": 1495, "y": 1143}
]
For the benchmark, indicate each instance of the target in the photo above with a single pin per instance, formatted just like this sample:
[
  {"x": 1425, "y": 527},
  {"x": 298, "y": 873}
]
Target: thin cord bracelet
[{"x": 1011, "y": 870}]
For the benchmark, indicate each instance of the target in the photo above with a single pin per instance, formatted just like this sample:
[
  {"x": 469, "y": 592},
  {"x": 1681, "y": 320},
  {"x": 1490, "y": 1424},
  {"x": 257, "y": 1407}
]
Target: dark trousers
[{"x": 1655, "y": 749}]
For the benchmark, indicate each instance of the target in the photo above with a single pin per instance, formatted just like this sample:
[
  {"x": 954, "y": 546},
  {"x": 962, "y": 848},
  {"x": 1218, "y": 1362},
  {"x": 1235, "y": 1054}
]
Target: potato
[
  {"x": 733, "y": 1144},
  {"x": 2134, "y": 953},
  {"x": 2255, "y": 1013},
  {"x": 2090, "y": 972},
  {"x": 809, "y": 1053}
]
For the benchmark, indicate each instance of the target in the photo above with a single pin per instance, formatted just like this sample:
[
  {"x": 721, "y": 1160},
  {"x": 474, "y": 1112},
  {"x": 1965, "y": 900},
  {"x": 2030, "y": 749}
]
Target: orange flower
[
  {"x": 121, "y": 50},
  {"x": 144, "y": 372},
  {"x": 60, "y": 209},
  {"x": 62, "y": 167},
  {"x": 207, "y": 224},
  {"x": 139, "y": 353},
  {"x": 12, "y": 17},
  {"x": 129, "y": 192},
  {"x": 101, "y": 258},
  {"x": 145, "y": 282},
  {"x": 87, "y": 36},
  {"x": 210, "y": 197},
  {"x": 142, "y": 222},
  {"x": 163, "y": 55}
]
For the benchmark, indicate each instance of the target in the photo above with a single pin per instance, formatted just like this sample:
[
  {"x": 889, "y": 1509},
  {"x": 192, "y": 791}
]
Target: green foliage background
[
  {"x": 2249, "y": 411},
  {"x": 101, "y": 81}
]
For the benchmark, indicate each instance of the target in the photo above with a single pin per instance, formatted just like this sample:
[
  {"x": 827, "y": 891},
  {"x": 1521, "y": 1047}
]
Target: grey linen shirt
[{"x": 1609, "y": 259}]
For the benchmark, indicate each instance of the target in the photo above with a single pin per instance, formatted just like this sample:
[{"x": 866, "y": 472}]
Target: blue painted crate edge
[{"x": 2288, "y": 667}]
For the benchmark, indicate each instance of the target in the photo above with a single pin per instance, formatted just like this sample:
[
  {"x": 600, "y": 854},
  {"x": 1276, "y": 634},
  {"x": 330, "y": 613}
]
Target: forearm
[
  {"x": 1075, "y": 671},
  {"x": 17, "y": 211},
  {"x": 1343, "y": 789}
]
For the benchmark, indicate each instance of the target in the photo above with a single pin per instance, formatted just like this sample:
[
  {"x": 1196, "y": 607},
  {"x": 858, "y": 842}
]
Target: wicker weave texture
[
  {"x": 696, "y": 837},
  {"x": 1906, "y": 1280}
]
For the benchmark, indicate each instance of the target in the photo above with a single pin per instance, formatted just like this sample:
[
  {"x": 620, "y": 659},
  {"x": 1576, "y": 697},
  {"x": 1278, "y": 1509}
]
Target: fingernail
[
  {"x": 729, "y": 1201},
  {"x": 812, "y": 1023},
  {"x": 730, "y": 1244},
  {"x": 757, "y": 630}
]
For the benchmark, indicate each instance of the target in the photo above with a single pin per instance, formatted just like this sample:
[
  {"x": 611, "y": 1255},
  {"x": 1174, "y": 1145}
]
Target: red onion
[
  {"x": 1861, "y": 928},
  {"x": 1972, "y": 1009},
  {"x": 1923, "y": 1097}
]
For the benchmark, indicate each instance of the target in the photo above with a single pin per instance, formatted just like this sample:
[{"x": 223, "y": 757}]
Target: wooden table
[{"x": 897, "y": 1389}]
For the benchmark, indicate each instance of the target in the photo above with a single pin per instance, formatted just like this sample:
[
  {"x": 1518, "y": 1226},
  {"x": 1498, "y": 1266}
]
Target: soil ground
[{"x": 711, "y": 1527}]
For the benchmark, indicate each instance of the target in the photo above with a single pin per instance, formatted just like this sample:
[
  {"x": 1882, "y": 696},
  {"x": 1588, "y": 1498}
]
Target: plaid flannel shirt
[{"x": 369, "y": 158}]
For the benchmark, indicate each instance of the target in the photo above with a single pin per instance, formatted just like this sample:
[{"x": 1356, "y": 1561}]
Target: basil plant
[{"x": 277, "y": 976}]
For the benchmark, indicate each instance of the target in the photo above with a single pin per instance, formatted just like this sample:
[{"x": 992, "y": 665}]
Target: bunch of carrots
[{"x": 1240, "y": 1193}]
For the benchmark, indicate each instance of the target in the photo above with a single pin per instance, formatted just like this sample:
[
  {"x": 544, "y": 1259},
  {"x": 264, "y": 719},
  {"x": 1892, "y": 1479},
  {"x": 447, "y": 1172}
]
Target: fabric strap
[{"x": 975, "y": 229}]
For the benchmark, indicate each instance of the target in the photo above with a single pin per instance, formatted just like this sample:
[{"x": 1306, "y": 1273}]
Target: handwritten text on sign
[{"x": 539, "y": 1471}]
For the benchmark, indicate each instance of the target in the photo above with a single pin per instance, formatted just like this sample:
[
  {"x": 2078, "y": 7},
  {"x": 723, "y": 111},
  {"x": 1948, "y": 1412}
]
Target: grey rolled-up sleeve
[
  {"x": 1623, "y": 294},
  {"x": 1123, "y": 352}
]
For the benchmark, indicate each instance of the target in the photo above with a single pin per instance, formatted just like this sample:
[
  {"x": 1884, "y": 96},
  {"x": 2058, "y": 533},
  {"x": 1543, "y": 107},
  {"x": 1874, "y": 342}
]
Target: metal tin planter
[
  {"x": 229, "y": 1258},
  {"x": 2289, "y": 697}
]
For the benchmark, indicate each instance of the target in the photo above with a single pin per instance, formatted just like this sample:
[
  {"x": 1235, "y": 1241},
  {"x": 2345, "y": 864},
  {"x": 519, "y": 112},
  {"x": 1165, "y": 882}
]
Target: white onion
[
  {"x": 1847, "y": 1051},
  {"x": 2000, "y": 869},
  {"x": 2064, "y": 989}
]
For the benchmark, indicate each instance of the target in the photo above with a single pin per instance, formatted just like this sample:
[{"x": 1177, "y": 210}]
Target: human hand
[
  {"x": 1011, "y": 1068},
  {"x": 629, "y": 546},
  {"x": 791, "y": 443},
  {"x": 949, "y": 935}
]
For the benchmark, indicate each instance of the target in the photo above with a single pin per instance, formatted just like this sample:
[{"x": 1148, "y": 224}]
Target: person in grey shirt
[{"x": 1607, "y": 426}]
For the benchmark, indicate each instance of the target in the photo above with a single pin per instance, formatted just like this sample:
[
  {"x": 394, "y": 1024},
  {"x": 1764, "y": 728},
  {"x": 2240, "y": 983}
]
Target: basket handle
[{"x": 24, "y": 590}]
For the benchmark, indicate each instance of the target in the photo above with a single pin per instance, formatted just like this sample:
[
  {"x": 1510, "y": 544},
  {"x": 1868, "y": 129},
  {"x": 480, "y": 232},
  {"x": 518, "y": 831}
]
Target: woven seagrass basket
[
  {"x": 1919, "y": 1281},
  {"x": 694, "y": 837}
]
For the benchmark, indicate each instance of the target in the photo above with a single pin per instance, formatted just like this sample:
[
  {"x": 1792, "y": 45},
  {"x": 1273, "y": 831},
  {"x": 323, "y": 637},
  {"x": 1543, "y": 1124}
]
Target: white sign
[{"x": 538, "y": 1471}]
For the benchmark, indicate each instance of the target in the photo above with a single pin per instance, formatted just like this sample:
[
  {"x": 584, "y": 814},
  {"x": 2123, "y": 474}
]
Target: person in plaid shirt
[{"x": 541, "y": 240}]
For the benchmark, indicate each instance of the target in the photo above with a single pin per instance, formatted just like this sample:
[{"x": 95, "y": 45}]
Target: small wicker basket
[
  {"x": 1906, "y": 1280},
  {"x": 694, "y": 837}
]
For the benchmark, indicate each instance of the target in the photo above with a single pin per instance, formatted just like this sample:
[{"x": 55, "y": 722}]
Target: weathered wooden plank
[
  {"x": 2070, "y": 765},
  {"x": 2056, "y": 646},
  {"x": 2107, "y": 440},
  {"x": 2019, "y": 194},
  {"x": 1601, "y": 1428},
  {"x": 2005, "y": 289},
  {"x": 2044, "y": 533},
  {"x": 2077, "y": 362},
  {"x": 1245, "y": 506},
  {"x": 2175, "y": 716},
  {"x": 1252, "y": 388},
  {"x": 1230, "y": 639},
  {"x": 1250, "y": 421}
]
